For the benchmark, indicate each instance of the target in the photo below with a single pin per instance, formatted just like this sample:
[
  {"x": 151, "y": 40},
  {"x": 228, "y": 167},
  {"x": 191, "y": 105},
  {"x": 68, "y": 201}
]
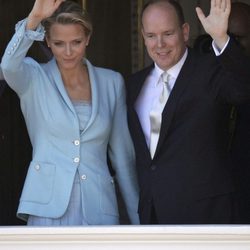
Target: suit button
[
  {"x": 153, "y": 167},
  {"x": 76, "y": 160},
  {"x": 37, "y": 167},
  {"x": 83, "y": 177},
  {"x": 77, "y": 142}
]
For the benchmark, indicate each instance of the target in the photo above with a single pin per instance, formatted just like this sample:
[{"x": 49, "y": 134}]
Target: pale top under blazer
[{"x": 59, "y": 149}]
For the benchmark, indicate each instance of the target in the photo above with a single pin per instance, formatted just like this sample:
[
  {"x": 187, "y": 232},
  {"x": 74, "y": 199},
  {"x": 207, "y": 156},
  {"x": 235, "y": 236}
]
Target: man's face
[{"x": 164, "y": 37}]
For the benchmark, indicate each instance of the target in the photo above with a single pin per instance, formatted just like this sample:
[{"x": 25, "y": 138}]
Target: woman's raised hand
[{"x": 41, "y": 10}]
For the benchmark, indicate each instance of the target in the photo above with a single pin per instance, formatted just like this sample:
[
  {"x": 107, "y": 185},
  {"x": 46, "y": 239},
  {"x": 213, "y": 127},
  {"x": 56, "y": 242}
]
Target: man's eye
[{"x": 57, "y": 43}]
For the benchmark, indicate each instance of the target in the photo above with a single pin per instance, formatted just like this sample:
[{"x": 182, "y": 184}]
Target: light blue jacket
[{"x": 58, "y": 149}]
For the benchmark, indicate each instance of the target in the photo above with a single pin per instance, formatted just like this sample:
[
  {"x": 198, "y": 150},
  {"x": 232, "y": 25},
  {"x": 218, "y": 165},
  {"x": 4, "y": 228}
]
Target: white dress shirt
[{"x": 151, "y": 91}]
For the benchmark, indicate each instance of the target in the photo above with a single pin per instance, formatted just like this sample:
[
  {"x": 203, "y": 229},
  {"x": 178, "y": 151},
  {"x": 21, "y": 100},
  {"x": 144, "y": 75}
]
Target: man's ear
[{"x": 185, "y": 31}]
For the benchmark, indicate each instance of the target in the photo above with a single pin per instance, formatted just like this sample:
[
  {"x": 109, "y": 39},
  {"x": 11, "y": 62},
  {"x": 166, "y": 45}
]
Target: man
[
  {"x": 183, "y": 162},
  {"x": 239, "y": 27}
]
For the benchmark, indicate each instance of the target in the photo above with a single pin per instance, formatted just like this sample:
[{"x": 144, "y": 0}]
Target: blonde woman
[{"x": 75, "y": 113}]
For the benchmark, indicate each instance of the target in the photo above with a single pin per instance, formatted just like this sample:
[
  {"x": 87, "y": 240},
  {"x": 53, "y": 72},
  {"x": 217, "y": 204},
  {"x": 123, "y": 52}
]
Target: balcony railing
[{"x": 126, "y": 237}]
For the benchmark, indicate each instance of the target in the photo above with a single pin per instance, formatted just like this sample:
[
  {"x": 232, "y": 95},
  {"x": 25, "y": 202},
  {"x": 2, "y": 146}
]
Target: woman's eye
[
  {"x": 150, "y": 35},
  {"x": 77, "y": 42}
]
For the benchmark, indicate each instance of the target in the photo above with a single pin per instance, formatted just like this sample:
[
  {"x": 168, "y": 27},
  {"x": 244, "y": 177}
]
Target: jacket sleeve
[
  {"x": 122, "y": 155},
  {"x": 17, "y": 68},
  {"x": 234, "y": 74}
]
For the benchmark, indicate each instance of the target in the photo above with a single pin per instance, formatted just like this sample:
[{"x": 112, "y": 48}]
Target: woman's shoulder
[
  {"x": 103, "y": 71},
  {"x": 108, "y": 73}
]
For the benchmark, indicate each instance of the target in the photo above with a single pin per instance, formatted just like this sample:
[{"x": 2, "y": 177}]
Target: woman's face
[{"x": 68, "y": 44}]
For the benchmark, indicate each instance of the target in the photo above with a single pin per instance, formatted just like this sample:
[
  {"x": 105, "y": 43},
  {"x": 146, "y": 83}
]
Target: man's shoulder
[{"x": 141, "y": 74}]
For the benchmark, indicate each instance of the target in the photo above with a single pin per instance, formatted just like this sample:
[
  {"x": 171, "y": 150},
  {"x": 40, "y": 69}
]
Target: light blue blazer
[{"x": 58, "y": 148}]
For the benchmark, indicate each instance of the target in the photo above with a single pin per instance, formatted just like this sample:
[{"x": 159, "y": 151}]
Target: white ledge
[{"x": 126, "y": 237}]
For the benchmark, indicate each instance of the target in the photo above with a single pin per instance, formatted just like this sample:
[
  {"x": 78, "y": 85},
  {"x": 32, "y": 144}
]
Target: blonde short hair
[{"x": 69, "y": 12}]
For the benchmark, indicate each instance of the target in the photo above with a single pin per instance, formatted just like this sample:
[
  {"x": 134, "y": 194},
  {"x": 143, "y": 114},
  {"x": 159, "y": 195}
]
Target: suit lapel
[
  {"x": 94, "y": 79},
  {"x": 181, "y": 83},
  {"x": 135, "y": 88},
  {"x": 56, "y": 78},
  {"x": 93, "y": 76},
  {"x": 137, "y": 84}
]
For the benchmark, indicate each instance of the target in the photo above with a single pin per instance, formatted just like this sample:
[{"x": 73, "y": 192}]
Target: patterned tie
[{"x": 156, "y": 112}]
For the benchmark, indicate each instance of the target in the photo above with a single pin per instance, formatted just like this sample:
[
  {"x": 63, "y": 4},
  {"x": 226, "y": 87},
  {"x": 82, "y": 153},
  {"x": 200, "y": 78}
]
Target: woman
[{"x": 75, "y": 113}]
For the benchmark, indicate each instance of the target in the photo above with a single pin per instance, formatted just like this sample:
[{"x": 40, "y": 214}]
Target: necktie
[{"x": 156, "y": 112}]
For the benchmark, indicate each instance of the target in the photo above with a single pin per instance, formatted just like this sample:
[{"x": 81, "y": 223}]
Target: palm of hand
[
  {"x": 216, "y": 22},
  {"x": 45, "y": 8}
]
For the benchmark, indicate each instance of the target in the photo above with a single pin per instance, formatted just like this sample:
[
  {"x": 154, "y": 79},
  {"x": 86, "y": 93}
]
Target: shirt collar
[{"x": 173, "y": 71}]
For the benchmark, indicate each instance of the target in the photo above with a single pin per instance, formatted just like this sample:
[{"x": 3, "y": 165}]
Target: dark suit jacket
[
  {"x": 2, "y": 86},
  {"x": 240, "y": 150},
  {"x": 189, "y": 178}
]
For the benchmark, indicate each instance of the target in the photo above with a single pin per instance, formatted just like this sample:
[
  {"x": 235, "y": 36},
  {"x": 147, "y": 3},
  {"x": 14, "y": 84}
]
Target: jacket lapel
[
  {"x": 94, "y": 80},
  {"x": 181, "y": 83},
  {"x": 136, "y": 86},
  {"x": 56, "y": 78}
]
